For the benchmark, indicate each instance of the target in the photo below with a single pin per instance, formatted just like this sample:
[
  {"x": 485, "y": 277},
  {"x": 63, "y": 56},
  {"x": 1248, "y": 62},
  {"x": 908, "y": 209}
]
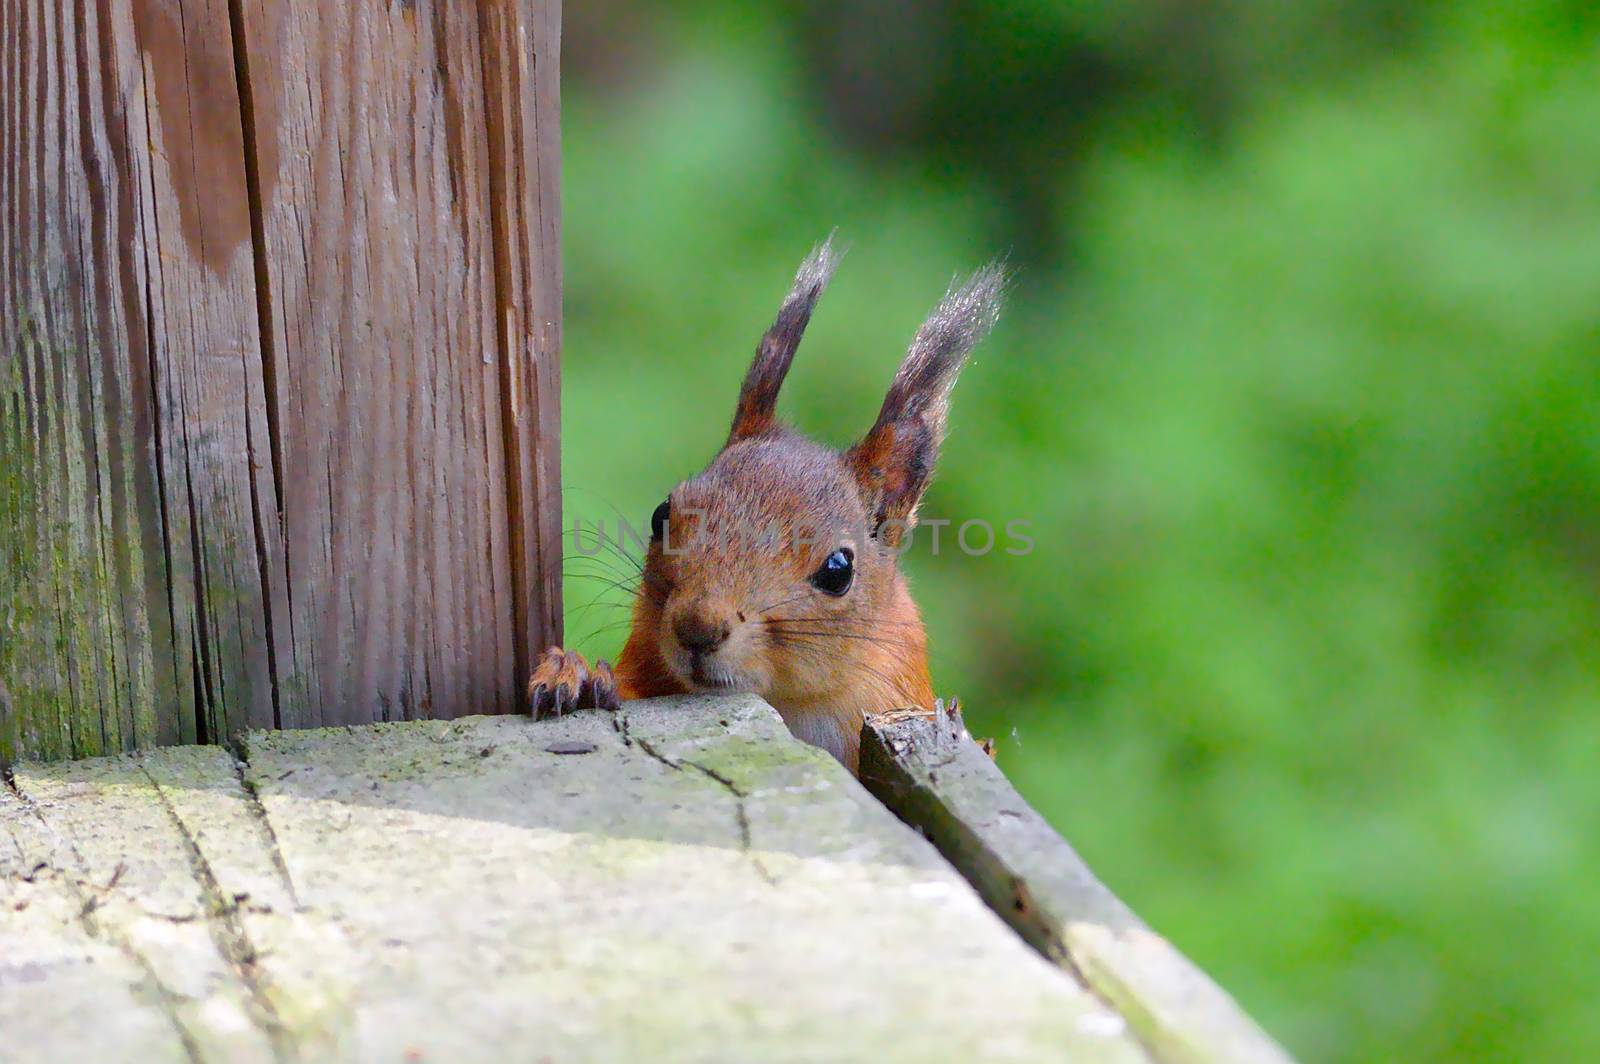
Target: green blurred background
[{"x": 1299, "y": 386}]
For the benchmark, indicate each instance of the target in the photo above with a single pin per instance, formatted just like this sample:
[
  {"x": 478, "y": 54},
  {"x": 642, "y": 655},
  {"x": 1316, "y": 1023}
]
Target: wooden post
[{"x": 279, "y": 335}]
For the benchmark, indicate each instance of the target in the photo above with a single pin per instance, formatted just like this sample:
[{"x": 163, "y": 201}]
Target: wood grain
[
  {"x": 523, "y": 90},
  {"x": 385, "y": 221},
  {"x": 131, "y": 399},
  {"x": 279, "y": 331}
]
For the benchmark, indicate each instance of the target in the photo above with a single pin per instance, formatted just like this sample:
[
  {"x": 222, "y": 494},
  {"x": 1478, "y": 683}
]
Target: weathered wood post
[{"x": 279, "y": 332}]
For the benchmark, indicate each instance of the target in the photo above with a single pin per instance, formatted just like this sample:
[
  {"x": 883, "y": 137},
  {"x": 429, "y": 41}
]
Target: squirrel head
[{"x": 775, "y": 569}]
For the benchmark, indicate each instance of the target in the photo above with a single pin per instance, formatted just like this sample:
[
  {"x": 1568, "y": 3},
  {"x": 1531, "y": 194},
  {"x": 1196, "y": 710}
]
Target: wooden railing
[{"x": 677, "y": 880}]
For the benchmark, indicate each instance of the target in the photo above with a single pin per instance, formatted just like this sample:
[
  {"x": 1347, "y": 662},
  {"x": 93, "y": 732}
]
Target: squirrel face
[
  {"x": 775, "y": 569},
  {"x": 766, "y": 575}
]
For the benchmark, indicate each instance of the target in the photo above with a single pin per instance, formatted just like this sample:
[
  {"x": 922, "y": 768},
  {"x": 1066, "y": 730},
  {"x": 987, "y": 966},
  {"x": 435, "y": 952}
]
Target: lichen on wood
[{"x": 697, "y": 886}]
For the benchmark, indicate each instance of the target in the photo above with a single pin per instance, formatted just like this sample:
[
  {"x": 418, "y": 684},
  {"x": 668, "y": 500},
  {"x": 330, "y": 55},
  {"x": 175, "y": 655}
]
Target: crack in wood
[
  {"x": 740, "y": 796},
  {"x": 526, "y": 286},
  {"x": 742, "y": 813},
  {"x": 516, "y": 513},
  {"x": 158, "y": 432},
  {"x": 165, "y": 1000},
  {"x": 268, "y": 348},
  {"x": 258, "y": 813},
  {"x": 228, "y": 933},
  {"x": 92, "y": 896}
]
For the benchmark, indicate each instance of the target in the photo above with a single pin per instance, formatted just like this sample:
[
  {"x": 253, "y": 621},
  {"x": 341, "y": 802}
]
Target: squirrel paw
[{"x": 562, "y": 682}]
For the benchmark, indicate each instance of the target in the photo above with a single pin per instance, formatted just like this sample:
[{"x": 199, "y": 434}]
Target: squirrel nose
[{"x": 700, "y": 635}]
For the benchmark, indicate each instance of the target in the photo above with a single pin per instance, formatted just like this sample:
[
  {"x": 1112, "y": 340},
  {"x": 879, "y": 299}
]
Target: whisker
[
  {"x": 874, "y": 622},
  {"x": 594, "y": 569},
  {"x": 891, "y": 644},
  {"x": 573, "y": 613},
  {"x": 784, "y": 602},
  {"x": 605, "y": 546},
  {"x": 820, "y": 652},
  {"x": 597, "y": 571},
  {"x": 864, "y": 637},
  {"x": 627, "y": 584},
  {"x": 607, "y": 630}
]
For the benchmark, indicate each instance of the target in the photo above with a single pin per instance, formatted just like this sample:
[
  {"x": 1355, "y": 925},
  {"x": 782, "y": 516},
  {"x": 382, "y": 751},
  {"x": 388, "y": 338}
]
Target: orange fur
[
  {"x": 819, "y": 661},
  {"x": 721, "y": 608}
]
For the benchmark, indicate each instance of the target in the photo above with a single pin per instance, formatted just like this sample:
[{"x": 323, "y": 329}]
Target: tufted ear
[
  {"x": 758, "y": 398},
  {"x": 894, "y": 462}
]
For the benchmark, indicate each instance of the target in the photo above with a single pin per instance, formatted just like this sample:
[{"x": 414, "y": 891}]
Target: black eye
[
  {"x": 658, "y": 520},
  {"x": 836, "y": 573}
]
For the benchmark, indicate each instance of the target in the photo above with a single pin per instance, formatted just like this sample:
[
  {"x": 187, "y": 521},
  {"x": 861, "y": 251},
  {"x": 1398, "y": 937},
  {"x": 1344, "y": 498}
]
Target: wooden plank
[
  {"x": 107, "y": 892},
  {"x": 59, "y": 971},
  {"x": 929, "y": 771},
  {"x": 696, "y": 886},
  {"x": 131, "y": 402}
]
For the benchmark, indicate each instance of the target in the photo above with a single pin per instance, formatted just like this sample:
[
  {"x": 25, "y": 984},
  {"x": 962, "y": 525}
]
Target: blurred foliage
[{"x": 1300, "y": 388}]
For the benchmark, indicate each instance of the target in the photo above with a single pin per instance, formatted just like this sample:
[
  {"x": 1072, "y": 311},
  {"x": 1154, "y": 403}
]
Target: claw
[
  {"x": 563, "y": 682},
  {"x": 603, "y": 688}
]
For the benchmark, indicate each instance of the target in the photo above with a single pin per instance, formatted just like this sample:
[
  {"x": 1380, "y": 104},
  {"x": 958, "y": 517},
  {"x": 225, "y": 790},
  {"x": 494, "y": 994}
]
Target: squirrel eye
[
  {"x": 658, "y": 520},
  {"x": 836, "y": 573}
]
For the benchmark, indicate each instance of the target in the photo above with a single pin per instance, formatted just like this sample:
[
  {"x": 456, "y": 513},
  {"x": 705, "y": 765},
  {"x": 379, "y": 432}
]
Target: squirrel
[{"x": 774, "y": 571}]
